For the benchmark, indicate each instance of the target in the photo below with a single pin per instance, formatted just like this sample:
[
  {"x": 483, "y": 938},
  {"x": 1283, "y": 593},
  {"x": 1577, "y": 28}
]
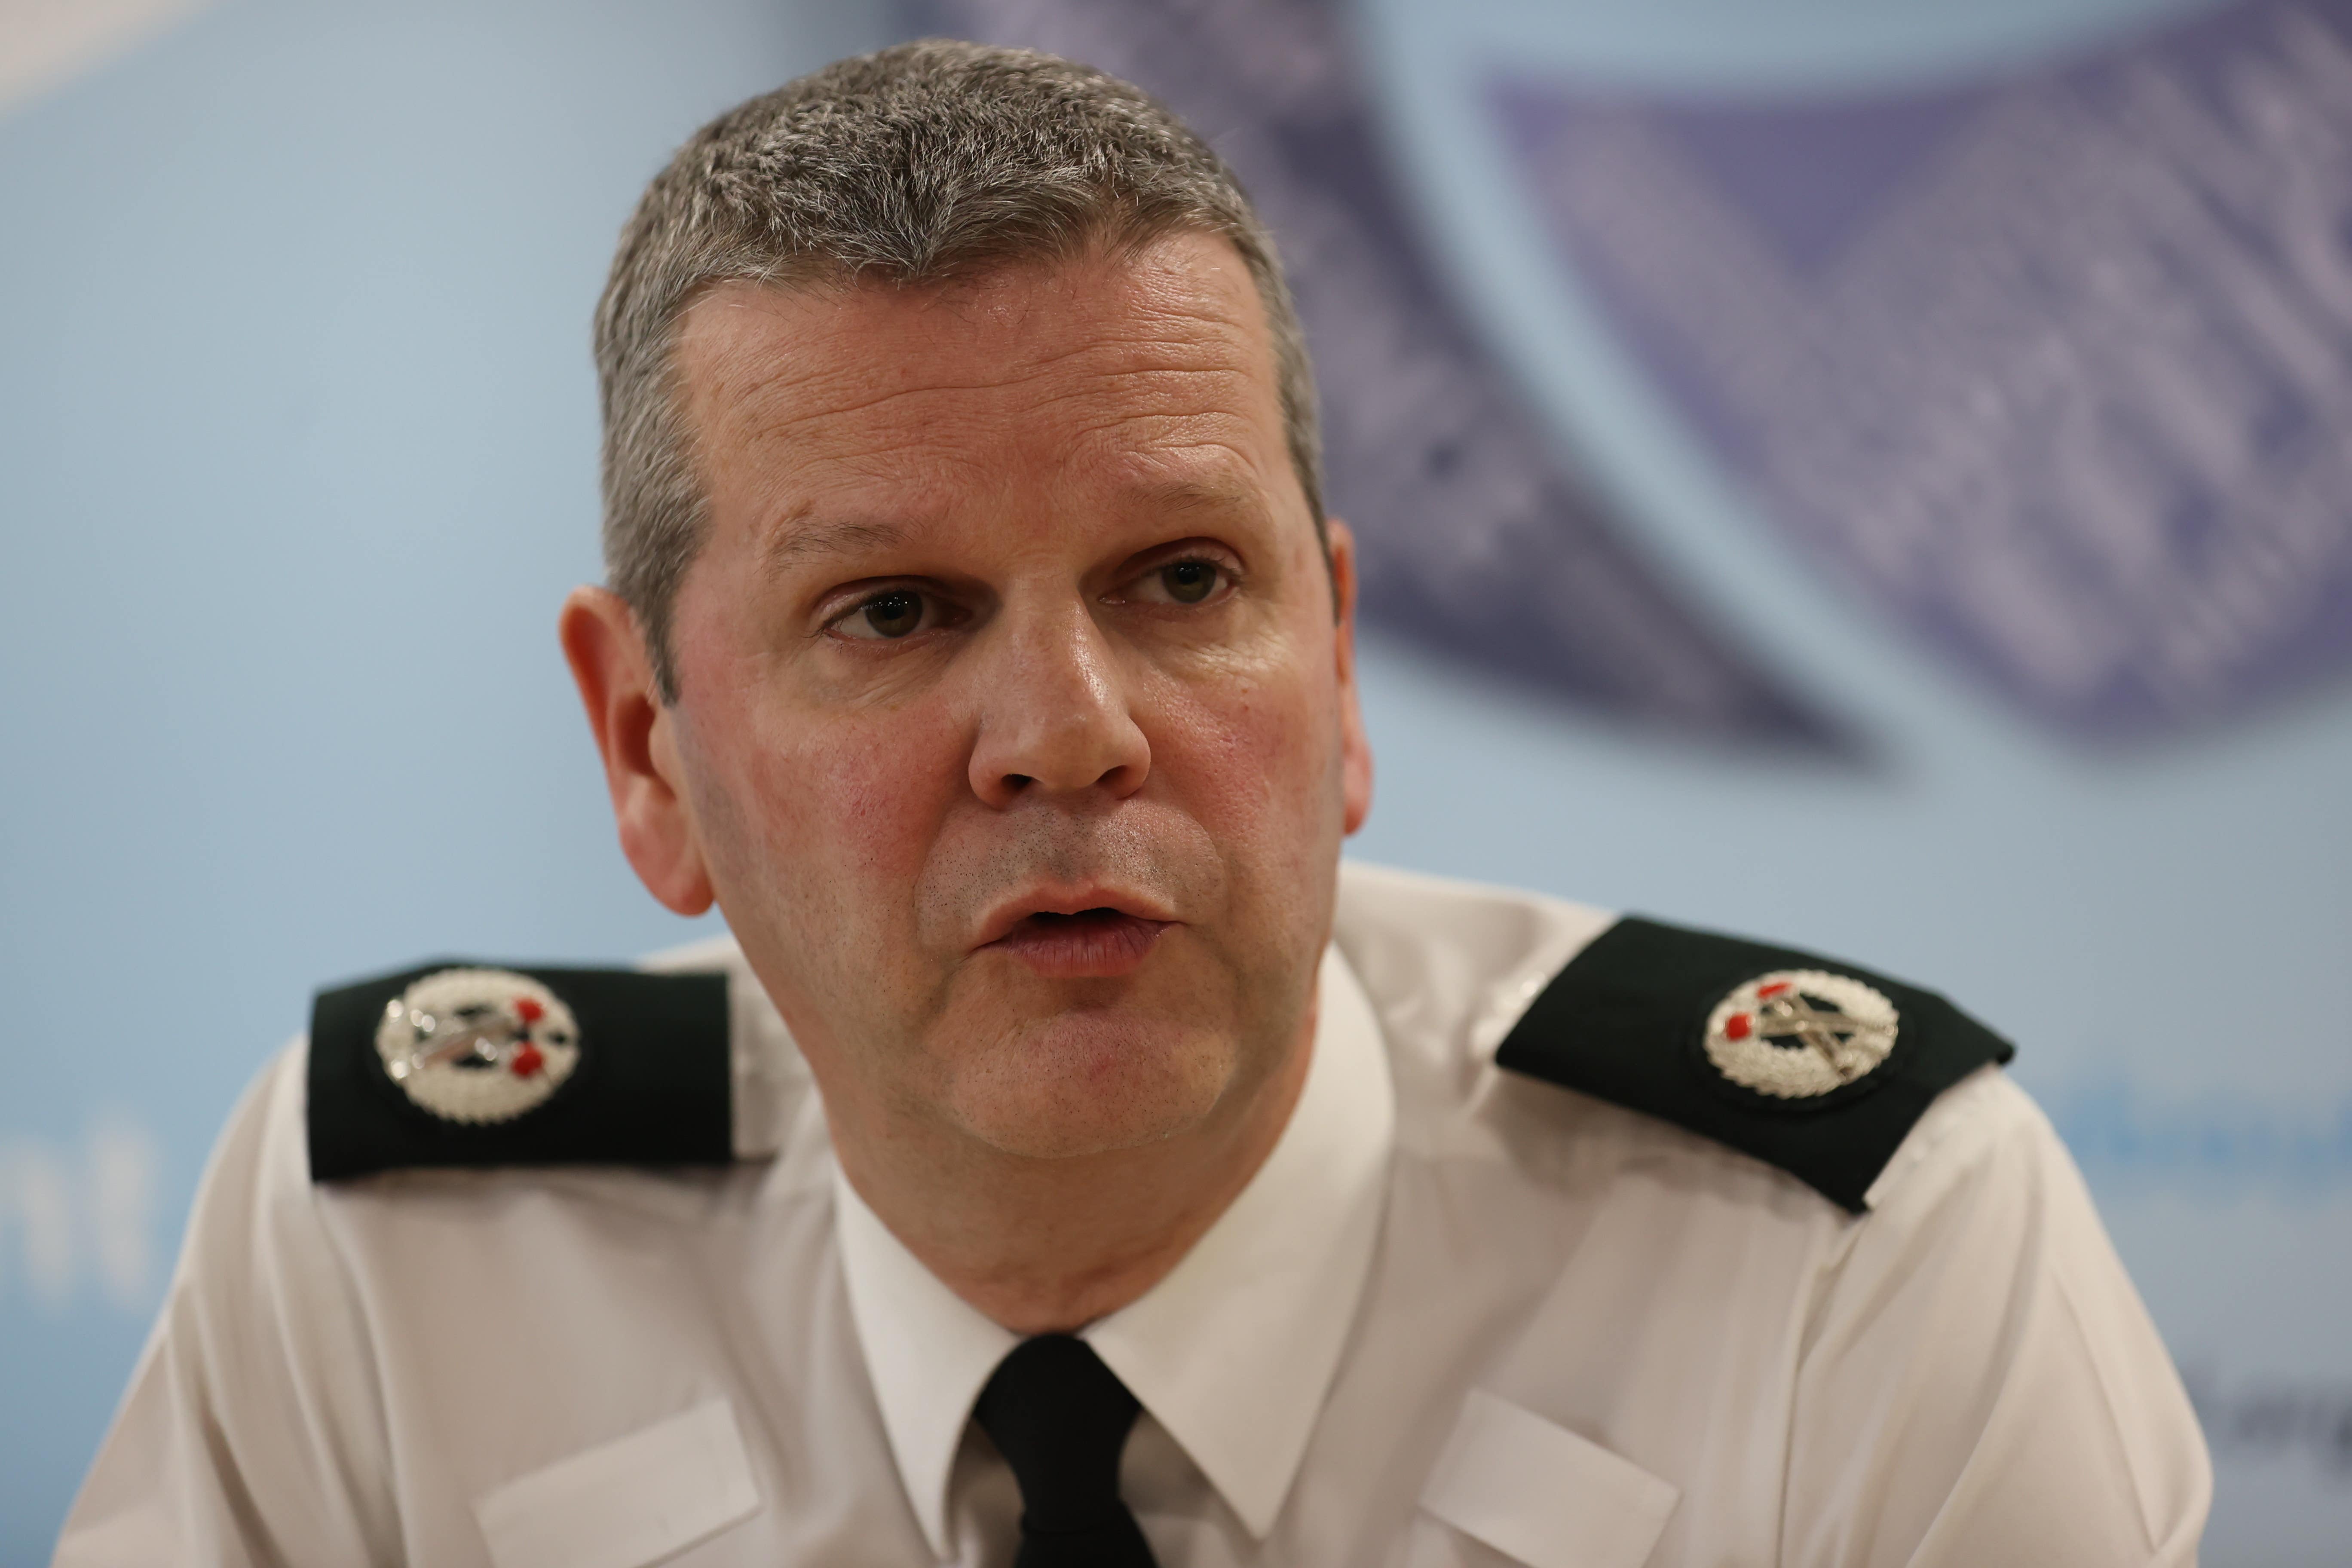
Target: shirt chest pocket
[
  {"x": 627, "y": 1504},
  {"x": 1536, "y": 1493}
]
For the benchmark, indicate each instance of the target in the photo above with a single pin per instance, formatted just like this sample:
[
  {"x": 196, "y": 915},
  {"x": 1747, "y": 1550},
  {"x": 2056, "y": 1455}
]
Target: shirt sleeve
[
  {"x": 252, "y": 1433},
  {"x": 1980, "y": 1383}
]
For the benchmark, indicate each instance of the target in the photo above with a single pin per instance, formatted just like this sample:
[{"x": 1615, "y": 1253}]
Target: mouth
[{"x": 1098, "y": 941}]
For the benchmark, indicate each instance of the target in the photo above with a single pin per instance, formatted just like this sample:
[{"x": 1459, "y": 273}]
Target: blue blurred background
[{"x": 1872, "y": 473}]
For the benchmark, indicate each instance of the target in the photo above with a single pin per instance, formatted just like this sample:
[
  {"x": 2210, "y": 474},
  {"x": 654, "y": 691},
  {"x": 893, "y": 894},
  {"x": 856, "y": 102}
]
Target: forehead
[{"x": 1156, "y": 365}]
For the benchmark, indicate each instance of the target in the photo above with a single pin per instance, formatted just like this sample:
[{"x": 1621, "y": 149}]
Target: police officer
[{"x": 1066, "y": 1159}]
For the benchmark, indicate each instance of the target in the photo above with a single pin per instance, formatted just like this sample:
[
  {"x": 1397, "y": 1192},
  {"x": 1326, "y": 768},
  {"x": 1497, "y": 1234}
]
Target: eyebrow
[
  {"x": 795, "y": 539},
  {"x": 1197, "y": 494},
  {"x": 1212, "y": 500}
]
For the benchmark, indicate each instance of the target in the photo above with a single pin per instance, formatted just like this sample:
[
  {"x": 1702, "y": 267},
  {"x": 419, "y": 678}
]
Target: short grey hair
[{"x": 916, "y": 164}]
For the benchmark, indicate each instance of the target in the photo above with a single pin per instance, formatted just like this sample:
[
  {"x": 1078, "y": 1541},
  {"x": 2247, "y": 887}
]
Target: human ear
[
  {"x": 1355, "y": 747},
  {"x": 636, "y": 734}
]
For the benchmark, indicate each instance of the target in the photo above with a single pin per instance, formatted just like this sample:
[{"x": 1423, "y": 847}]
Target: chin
[{"x": 1092, "y": 1083}]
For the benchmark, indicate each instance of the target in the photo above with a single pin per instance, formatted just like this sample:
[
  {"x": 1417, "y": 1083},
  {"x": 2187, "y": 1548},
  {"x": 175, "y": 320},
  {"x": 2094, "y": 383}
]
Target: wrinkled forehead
[{"x": 1151, "y": 367}]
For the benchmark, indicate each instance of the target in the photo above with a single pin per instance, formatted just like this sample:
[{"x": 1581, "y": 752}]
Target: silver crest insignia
[
  {"x": 478, "y": 1045},
  {"x": 1795, "y": 1033}
]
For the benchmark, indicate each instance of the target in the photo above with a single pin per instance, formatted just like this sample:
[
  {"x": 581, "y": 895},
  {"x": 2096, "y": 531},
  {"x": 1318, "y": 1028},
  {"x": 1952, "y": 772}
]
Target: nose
[{"x": 1055, "y": 714}]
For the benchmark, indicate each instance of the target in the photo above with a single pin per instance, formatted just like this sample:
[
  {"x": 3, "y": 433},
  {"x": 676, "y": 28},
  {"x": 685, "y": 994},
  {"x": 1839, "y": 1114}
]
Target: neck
[{"x": 1048, "y": 1245}]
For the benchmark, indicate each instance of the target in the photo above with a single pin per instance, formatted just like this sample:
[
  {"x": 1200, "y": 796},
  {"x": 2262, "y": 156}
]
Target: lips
[{"x": 1077, "y": 938}]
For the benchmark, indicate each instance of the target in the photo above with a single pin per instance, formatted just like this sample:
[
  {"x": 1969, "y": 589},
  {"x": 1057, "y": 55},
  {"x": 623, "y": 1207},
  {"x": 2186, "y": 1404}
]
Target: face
[{"x": 1015, "y": 730}]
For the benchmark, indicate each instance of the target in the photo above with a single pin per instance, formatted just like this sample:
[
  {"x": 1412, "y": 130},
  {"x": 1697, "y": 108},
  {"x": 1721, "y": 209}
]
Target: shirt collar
[{"x": 1232, "y": 1352}]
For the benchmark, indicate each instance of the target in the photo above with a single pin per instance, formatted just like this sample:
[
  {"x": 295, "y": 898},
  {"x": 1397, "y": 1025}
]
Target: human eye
[
  {"x": 890, "y": 616},
  {"x": 1187, "y": 580}
]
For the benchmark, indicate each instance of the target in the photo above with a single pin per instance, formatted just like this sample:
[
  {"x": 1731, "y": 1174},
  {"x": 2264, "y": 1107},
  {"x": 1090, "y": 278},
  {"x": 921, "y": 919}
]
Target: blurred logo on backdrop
[{"x": 2054, "y": 369}]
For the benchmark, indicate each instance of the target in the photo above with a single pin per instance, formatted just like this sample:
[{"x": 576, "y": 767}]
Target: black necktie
[{"x": 1060, "y": 1418}]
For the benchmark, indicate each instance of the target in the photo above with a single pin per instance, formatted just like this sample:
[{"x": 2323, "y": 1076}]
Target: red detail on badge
[
  {"x": 1772, "y": 990},
  {"x": 527, "y": 1009},
  {"x": 1736, "y": 1027},
  {"x": 527, "y": 1061}
]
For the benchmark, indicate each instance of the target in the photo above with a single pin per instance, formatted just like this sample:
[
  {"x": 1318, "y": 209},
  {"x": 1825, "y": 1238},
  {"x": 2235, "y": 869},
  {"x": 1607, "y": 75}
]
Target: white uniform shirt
[{"x": 1459, "y": 1317}]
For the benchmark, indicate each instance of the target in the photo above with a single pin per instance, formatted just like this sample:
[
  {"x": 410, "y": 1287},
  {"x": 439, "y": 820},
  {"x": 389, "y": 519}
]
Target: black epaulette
[
  {"x": 465, "y": 1064},
  {"x": 1810, "y": 1065}
]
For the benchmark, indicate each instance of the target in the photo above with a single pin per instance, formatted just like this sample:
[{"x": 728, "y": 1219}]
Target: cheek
[
  {"x": 803, "y": 788},
  {"x": 863, "y": 799},
  {"x": 817, "y": 817},
  {"x": 1255, "y": 752}
]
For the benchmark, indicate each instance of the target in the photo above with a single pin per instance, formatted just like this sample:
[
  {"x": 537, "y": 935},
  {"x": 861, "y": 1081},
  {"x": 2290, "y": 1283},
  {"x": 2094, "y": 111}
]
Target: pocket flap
[
  {"x": 1537, "y": 1491},
  {"x": 626, "y": 1503}
]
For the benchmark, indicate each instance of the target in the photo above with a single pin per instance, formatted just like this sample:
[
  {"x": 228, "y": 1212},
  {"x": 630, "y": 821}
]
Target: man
[{"x": 1066, "y": 1162}]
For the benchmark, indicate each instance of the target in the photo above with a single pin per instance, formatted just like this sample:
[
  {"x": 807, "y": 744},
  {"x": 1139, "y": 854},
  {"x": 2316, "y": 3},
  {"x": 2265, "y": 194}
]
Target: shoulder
[
  {"x": 1816, "y": 1066},
  {"x": 1450, "y": 965},
  {"x": 465, "y": 1062}
]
